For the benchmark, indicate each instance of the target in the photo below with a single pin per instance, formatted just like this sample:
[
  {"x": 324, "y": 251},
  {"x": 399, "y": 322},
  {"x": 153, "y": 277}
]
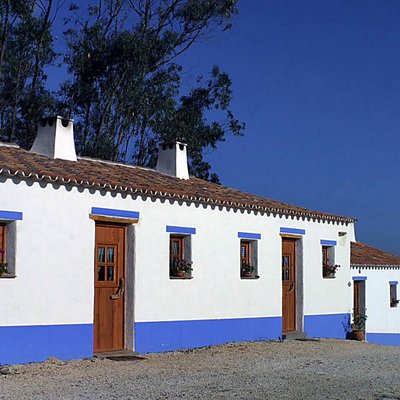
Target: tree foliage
[
  {"x": 124, "y": 82},
  {"x": 25, "y": 50}
]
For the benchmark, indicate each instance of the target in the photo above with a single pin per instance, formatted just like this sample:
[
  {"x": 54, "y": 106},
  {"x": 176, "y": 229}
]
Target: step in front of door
[
  {"x": 121, "y": 355},
  {"x": 293, "y": 335}
]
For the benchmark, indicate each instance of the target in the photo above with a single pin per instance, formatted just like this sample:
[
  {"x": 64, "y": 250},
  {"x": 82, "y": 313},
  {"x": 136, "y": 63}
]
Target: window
[
  {"x": 3, "y": 250},
  {"x": 325, "y": 254},
  {"x": 8, "y": 242},
  {"x": 7, "y": 249},
  {"x": 329, "y": 267},
  {"x": 393, "y": 294},
  {"x": 180, "y": 264},
  {"x": 248, "y": 259},
  {"x": 106, "y": 263}
]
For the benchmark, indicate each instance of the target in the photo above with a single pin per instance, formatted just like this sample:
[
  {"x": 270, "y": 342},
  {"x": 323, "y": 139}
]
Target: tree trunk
[{"x": 40, "y": 45}]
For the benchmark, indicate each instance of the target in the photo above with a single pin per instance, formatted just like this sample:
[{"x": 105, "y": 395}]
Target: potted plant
[
  {"x": 358, "y": 326},
  {"x": 3, "y": 269},
  {"x": 180, "y": 267},
  {"x": 329, "y": 270},
  {"x": 247, "y": 270},
  {"x": 394, "y": 302}
]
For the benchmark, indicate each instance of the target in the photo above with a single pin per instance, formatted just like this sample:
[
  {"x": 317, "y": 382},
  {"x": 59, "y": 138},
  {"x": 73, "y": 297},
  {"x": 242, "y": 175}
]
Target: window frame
[
  {"x": 3, "y": 242},
  {"x": 325, "y": 254},
  {"x": 394, "y": 301},
  {"x": 328, "y": 258},
  {"x": 9, "y": 221},
  {"x": 251, "y": 258},
  {"x": 184, "y": 253},
  {"x": 246, "y": 245},
  {"x": 7, "y": 257},
  {"x": 105, "y": 264}
]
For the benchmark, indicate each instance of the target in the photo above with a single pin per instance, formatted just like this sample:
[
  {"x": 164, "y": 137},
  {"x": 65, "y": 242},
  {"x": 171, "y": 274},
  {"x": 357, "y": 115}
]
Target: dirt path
[{"x": 327, "y": 369}]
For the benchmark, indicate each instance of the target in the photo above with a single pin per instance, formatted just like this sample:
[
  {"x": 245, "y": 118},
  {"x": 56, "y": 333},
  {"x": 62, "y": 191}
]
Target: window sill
[
  {"x": 7, "y": 276},
  {"x": 250, "y": 277},
  {"x": 181, "y": 277},
  {"x": 329, "y": 277}
]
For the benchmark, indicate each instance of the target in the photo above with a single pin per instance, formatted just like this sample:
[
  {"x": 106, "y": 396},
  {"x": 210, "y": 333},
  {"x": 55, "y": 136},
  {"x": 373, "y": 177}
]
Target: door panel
[
  {"x": 359, "y": 297},
  {"x": 109, "y": 288},
  {"x": 288, "y": 285},
  {"x": 357, "y": 302}
]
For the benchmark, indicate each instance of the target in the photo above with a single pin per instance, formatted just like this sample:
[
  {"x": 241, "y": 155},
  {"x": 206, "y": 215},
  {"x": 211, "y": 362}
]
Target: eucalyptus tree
[
  {"x": 26, "y": 48},
  {"x": 124, "y": 88}
]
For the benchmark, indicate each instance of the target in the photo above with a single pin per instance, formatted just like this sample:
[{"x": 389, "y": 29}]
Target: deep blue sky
[{"x": 318, "y": 84}]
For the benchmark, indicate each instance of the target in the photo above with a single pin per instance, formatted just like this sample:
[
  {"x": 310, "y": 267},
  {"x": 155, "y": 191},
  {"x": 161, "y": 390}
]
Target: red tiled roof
[
  {"x": 362, "y": 254},
  {"x": 126, "y": 178}
]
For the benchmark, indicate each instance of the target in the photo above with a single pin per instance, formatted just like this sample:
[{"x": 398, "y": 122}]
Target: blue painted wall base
[
  {"x": 154, "y": 337},
  {"x": 23, "y": 344},
  {"x": 331, "y": 326},
  {"x": 388, "y": 339}
]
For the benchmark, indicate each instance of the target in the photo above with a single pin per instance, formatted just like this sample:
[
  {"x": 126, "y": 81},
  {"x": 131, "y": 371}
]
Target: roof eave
[
  {"x": 161, "y": 194},
  {"x": 378, "y": 266}
]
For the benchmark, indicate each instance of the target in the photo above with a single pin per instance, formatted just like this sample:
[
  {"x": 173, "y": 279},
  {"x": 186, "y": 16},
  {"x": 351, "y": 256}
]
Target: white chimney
[
  {"x": 172, "y": 160},
  {"x": 55, "y": 138}
]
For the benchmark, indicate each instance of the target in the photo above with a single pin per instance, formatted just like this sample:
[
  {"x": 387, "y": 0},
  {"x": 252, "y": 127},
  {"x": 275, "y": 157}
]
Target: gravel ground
[{"x": 326, "y": 369}]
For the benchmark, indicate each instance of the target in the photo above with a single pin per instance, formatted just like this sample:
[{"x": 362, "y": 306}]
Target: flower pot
[
  {"x": 178, "y": 274},
  {"x": 247, "y": 274},
  {"x": 329, "y": 275},
  {"x": 357, "y": 335}
]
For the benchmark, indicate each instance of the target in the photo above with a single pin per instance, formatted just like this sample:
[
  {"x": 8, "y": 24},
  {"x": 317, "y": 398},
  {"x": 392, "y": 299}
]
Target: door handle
[
  {"x": 291, "y": 288},
  {"x": 120, "y": 291}
]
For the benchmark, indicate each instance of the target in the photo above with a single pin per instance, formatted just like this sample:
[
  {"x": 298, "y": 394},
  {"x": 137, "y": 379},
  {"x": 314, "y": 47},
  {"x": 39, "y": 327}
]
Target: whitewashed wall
[
  {"x": 381, "y": 317},
  {"x": 55, "y": 246}
]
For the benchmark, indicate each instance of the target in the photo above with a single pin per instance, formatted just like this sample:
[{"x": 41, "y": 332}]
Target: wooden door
[
  {"x": 359, "y": 297},
  {"x": 288, "y": 285},
  {"x": 357, "y": 300},
  {"x": 109, "y": 288}
]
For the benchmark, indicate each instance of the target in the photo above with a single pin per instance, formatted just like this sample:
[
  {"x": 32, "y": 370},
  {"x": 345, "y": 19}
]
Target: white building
[
  {"x": 376, "y": 276},
  {"x": 93, "y": 249}
]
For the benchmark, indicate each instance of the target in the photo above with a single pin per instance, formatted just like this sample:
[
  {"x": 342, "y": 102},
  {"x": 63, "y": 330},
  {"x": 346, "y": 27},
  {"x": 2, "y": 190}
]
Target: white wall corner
[
  {"x": 55, "y": 138},
  {"x": 172, "y": 160}
]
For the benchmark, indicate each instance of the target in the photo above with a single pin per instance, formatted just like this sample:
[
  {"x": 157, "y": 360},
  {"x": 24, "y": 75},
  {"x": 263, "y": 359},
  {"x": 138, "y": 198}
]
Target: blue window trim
[
  {"x": 248, "y": 235},
  {"x": 393, "y": 282},
  {"x": 359, "y": 278},
  {"x": 181, "y": 229},
  {"x": 293, "y": 230},
  {"x": 111, "y": 212},
  {"x": 11, "y": 215},
  {"x": 328, "y": 242}
]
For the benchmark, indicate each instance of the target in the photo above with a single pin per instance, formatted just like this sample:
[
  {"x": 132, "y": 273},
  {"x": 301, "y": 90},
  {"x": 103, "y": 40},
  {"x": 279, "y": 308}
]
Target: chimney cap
[
  {"x": 172, "y": 159},
  {"x": 50, "y": 120},
  {"x": 171, "y": 145}
]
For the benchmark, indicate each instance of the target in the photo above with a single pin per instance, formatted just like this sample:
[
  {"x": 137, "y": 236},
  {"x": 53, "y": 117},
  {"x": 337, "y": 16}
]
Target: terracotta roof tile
[
  {"x": 362, "y": 254},
  {"x": 126, "y": 178}
]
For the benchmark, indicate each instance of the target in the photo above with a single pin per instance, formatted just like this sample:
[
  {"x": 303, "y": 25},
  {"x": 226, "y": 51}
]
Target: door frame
[
  {"x": 129, "y": 266},
  {"x": 299, "y": 287}
]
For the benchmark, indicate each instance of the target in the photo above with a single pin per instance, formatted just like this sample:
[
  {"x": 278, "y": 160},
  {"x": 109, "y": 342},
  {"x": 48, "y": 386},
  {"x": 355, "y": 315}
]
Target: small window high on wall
[{"x": 393, "y": 294}]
